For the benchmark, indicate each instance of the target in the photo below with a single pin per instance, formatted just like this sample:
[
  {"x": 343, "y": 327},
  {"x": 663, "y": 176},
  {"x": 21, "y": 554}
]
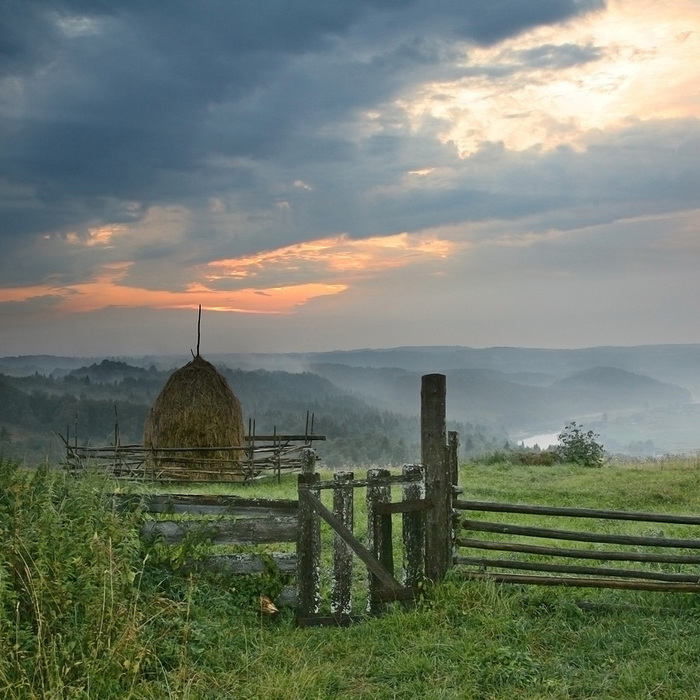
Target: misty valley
[{"x": 640, "y": 400}]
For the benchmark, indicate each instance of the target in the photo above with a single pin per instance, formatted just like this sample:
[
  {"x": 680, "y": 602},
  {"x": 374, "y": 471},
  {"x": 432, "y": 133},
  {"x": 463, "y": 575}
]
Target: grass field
[{"x": 87, "y": 612}]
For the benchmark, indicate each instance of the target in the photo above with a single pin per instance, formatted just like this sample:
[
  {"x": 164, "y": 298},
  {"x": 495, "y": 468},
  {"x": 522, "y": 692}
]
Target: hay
[{"x": 195, "y": 409}]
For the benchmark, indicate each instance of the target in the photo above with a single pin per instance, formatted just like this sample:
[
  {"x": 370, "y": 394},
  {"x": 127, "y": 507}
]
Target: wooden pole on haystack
[{"x": 199, "y": 328}]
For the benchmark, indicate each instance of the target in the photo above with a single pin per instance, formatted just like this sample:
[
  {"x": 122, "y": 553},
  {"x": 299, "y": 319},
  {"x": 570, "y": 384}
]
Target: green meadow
[{"x": 87, "y": 610}]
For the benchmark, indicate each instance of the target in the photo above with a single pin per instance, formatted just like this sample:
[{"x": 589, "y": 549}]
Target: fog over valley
[{"x": 640, "y": 400}]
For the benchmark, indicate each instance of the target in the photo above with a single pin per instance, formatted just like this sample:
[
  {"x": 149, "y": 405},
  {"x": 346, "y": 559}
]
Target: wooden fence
[
  {"x": 435, "y": 533},
  {"x": 236, "y": 521},
  {"x": 223, "y": 520},
  {"x": 651, "y": 562},
  {"x": 260, "y": 456},
  {"x": 511, "y": 552}
]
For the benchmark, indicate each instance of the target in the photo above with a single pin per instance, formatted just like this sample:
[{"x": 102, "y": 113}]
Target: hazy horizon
[
  {"x": 203, "y": 351},
  {"x": 641, "y": 399}
]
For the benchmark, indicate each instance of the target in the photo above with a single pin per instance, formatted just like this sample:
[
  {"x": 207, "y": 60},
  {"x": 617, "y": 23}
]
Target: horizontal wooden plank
[
  {"x": 575, "y": 582},
  {"x": 487, "y": 506},
  {"x": 486, "y": 562},
  {"x": 600, "y": 555},
  {"x": 203, "y": 504},
  {"x": 243, "y": 531},
  {"x": 362, "y": 483},
  {"x": 296, "y": 437},
  {"x": 251, "y": 563},
  {"x": 485, "y": 526},
  {"x": 409, "y": 506}
]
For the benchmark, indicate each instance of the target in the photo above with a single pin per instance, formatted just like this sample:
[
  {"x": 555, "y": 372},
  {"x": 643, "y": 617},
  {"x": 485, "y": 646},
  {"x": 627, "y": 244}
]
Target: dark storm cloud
[
  {"x": 573, "y": 187},
  {"x": 500, "y": 19},
  {"x": 108, "y": 103}
]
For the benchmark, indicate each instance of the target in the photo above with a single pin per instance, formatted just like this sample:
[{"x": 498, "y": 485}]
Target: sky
[{"x": 323, "y": 175}]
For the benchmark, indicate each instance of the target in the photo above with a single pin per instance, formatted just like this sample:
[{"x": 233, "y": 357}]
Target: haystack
[{"x": 195, "y": 409}]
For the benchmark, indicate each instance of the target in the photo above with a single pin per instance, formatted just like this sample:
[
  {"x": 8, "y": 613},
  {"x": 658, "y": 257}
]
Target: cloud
[
  {"x": 333, "y": 160},
  {"x": 126, "y": 101},
  {"x": 272, "y": 282}
]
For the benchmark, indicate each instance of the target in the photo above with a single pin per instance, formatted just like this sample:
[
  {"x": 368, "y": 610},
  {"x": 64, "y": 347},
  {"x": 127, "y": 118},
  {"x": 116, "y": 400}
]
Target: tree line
[{"x": 95, "y": 400}]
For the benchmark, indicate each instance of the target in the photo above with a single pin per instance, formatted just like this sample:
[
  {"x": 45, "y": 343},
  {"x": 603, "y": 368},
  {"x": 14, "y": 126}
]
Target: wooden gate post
[
  {"x": 379, "y": 532},
  {"x": 341, "y": 592},
  {"x": 308, "y": 544},
  {"x": 413, "y": 529},
  {"x": 438, "y": 476}
]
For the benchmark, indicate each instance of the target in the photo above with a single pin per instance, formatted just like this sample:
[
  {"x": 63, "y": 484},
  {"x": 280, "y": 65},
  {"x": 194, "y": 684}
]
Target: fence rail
[
  {"x": 538, "y": 559},
  {"x": 257, "y": 459}
]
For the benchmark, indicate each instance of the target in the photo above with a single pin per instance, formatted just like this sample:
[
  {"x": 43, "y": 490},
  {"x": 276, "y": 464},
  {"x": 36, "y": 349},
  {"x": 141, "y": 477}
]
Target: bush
[{"x": 580, "y": 447}]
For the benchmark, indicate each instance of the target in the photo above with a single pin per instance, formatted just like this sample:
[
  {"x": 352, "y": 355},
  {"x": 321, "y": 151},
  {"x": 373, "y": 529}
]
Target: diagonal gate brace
[{"x": 386, "y": 578}]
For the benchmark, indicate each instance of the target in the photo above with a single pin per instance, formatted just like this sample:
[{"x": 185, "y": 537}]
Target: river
[{"x": 545, "y": 440}]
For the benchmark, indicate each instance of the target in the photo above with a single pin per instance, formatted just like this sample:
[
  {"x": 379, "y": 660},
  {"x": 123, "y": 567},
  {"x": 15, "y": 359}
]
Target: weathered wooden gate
[
  {"x": 426, "y": 523},
  {"x": 378, "y": 552}
]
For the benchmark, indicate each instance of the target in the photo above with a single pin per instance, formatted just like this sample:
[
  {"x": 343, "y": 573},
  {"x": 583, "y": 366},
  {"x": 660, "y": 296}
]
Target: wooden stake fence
[{"x": 262, "y": 455}]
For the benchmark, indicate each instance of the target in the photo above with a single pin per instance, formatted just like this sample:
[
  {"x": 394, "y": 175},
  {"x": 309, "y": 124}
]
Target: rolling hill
[{"x": 640, "y": 399}]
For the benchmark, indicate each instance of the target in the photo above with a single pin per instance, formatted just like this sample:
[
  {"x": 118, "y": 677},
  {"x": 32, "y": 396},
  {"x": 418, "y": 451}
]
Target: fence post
[
  {"x": 453, "y": 458},
  {"x": 438, "y": 477},
  {"x": 308, "y": 543},
  {"x": 379, "y": 537},
  {"x": 413, "y": 525},
  {"x": 341, "y": 593}
]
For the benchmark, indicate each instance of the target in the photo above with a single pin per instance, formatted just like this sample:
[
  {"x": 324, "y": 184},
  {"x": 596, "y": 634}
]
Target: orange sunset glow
[
  {"x": 336, "y": 255},
  {"x": 109, "y": 290},
  {"x": 324, "y": 261}
]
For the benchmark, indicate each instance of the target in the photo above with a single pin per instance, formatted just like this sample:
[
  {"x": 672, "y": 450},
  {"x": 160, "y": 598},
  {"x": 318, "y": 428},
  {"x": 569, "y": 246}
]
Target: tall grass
[
  {"x": 69, "y": 573},
  {"x": 87, "y": 610}
]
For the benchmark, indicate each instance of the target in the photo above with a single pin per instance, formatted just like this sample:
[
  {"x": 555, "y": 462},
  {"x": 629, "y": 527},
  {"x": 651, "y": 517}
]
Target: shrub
[{"x": 580, "y": 447}]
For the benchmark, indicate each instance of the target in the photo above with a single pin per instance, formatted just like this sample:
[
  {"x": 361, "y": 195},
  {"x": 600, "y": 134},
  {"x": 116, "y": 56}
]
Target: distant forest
[
  {"x": 95, "y": 399},
  {"x": 641, "y": 400}
]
